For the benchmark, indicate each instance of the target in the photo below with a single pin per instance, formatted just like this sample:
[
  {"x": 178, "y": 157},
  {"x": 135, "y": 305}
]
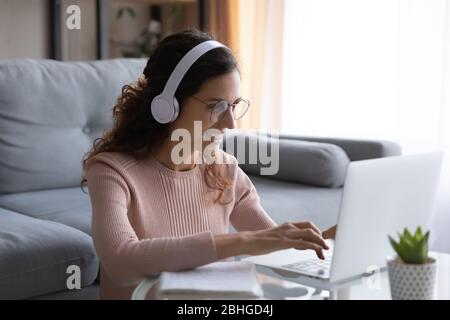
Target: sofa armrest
[
  {"x": 306, "y": 162},
  {"x": 314, "y": 161},
  {"x": 356, "y": 149}
]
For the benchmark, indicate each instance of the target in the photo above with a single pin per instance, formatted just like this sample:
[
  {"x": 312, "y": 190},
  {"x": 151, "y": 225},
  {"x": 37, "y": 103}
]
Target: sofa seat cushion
[
  {"x": 87, "y": 293},
  {"x": 289, "y": 202},
  {"x": 69, "y": 206},
  {"x": 35, "y": 255}
]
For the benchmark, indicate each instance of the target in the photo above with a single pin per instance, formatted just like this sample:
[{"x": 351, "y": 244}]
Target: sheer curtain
[
  {"x": 260, "y": 54},
  {"x": 223, "y": 23},
  {"x": 243, "y": 26},
  {"x": 372, "y": 69},
  {"x": 252, "y": 19}
]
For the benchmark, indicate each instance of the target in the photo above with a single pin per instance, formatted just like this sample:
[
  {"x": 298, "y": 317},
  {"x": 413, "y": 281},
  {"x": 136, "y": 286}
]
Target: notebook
[{"x": 227, "y": 279}]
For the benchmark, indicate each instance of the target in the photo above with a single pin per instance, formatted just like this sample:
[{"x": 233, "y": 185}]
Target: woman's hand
[
  {"x": 298, "y": 235},
  {"x": 330, "y": 233}
]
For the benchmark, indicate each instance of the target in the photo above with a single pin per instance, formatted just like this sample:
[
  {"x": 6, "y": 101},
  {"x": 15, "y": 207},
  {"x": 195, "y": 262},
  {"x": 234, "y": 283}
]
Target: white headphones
[{"x": 165, "y": 106}]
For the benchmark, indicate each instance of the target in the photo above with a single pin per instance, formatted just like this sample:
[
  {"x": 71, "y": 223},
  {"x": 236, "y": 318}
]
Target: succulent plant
[{"x": 412, "y": 249}]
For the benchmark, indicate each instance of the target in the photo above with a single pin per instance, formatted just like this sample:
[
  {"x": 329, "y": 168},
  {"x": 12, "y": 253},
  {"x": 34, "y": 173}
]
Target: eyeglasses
[{"x": 239, "y": 108}]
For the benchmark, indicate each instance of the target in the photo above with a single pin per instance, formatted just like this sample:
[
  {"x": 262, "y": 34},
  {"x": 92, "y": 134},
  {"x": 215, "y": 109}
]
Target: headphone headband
[{"x": 185, "y": 63}]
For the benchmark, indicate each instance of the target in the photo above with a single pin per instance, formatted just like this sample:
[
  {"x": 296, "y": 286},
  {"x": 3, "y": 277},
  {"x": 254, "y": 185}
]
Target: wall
[{"x": 24, "y": 29}]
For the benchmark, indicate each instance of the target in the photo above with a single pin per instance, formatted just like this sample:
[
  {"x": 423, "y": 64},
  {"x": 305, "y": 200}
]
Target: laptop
[{"x": 380, "y": 197}]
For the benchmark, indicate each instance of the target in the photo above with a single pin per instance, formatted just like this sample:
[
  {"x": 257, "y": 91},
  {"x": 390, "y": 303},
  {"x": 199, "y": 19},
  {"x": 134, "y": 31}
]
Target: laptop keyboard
[{"x": 314, "y": 267}]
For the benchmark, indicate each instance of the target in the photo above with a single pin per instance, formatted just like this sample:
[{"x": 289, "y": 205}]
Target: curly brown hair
[{"x": 134, "y": 130}]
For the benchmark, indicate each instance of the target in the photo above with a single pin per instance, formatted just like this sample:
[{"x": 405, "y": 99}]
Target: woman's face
[{"x": 196, "y": 117}]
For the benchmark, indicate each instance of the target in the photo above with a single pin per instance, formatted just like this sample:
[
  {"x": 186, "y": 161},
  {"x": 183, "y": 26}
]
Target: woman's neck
[{"x": 164, "y": 156}]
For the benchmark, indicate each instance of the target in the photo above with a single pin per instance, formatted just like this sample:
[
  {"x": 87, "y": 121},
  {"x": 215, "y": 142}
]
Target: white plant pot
[{"x": 412, "y": 281}]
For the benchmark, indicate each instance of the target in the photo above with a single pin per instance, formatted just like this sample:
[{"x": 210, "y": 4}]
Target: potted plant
[{"x": 412, "y": 274}]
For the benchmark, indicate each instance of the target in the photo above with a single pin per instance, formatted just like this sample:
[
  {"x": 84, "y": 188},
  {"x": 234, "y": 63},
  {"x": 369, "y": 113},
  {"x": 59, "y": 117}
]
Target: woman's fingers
[
  {"x": 304, "y": 245},
  {"x": 307, "y": 225},
  {"x": 320, "y": 254},
  {"x": 330, "y": 233},
  {"x": 308, "y": 235}
]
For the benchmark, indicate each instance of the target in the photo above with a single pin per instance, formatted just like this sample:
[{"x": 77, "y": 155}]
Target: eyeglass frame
[{"x": 213, "y": 105}]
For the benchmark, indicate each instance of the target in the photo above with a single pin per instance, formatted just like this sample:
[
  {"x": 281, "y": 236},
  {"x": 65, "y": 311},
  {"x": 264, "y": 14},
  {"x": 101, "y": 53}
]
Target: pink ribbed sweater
[{"x": 147, "y": 218}]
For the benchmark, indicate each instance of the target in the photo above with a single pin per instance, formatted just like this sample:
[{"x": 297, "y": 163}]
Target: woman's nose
[{"x": 227, "y": 120}]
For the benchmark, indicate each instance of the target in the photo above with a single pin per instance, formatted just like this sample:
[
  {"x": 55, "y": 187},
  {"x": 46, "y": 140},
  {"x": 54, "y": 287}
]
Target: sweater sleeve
[
  {"x": 248, "y": 214},
  {"x": 125, "y": 258}
]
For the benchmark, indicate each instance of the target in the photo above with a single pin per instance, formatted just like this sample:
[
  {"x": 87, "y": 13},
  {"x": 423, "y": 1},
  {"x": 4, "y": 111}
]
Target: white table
[{"x": 374, "y": 287}]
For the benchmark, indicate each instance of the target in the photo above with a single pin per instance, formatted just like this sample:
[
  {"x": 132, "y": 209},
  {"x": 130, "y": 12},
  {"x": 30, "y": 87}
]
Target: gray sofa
[{"x": 50, "y": 112}]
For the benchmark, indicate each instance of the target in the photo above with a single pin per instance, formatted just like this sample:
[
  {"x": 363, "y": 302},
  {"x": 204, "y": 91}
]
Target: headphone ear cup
[
  {"x": 176, "y": 109},
  {"x": 162, "y": 109}
]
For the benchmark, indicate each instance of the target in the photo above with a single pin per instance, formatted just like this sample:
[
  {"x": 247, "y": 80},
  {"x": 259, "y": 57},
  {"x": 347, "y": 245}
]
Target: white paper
[{"x": 228, "y": 278}]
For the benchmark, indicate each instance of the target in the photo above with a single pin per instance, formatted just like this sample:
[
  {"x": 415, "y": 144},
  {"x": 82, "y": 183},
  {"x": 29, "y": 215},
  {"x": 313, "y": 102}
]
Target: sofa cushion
[
  {"x": 356, "y": 149},
  {"x": 69, "y": 206},
  {"x": 311, "y": 163},
  {"x": 50, "y": 112},
  {"x": 35, "y": 255}
]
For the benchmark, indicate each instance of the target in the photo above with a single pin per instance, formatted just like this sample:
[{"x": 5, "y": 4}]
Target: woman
[{"x": 154, "y": 213}]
